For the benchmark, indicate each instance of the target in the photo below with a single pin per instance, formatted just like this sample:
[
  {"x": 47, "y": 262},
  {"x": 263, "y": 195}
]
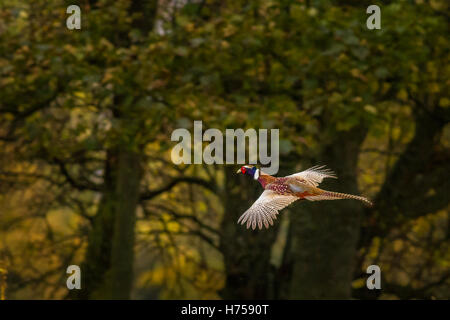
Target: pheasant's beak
[{"x": 239, "y": 171}]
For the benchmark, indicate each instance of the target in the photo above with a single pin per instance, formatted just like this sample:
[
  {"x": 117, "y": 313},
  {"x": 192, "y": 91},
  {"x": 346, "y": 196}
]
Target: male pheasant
[{"x": 281, "y": 192}]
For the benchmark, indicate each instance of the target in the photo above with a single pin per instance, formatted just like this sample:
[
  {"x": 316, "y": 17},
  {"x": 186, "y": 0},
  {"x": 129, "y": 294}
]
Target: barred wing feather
[
  {"x": 313, "y": 176},
  {"x": 265, "y": 209}
]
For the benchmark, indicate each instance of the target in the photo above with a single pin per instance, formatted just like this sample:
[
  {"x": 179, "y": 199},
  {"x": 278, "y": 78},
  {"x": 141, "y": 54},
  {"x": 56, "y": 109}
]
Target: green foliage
[{"x": 70, "y": 99}]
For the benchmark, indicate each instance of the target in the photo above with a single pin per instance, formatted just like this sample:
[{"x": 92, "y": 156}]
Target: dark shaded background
[{"x": 86, "y": 176}]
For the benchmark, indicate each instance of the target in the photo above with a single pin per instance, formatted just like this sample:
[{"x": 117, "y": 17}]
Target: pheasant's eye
[{"x": 243, "y": 169}]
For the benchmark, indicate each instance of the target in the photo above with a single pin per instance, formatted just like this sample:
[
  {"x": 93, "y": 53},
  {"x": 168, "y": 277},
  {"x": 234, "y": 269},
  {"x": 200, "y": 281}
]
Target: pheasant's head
[{"x": 250, "y": 170}]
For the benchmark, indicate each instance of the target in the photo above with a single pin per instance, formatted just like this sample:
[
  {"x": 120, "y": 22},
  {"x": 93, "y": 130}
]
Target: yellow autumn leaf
[
  {"x": 370, "y": 109},
  {"x": 402, "y": 95},
  {"x": 444, "y": 102},
  {"x": 80, "y": 94},
  {"x": 358, "y": 283}
]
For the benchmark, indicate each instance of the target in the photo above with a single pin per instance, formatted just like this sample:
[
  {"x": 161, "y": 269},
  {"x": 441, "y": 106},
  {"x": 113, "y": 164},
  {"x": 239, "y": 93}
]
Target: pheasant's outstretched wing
[
  {"x": 313, "y": 176},
  {"x": 265, "y": 209}
]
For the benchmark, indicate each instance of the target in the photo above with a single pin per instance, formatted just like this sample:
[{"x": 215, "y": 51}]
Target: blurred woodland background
[{"x": 86, "y": 177}]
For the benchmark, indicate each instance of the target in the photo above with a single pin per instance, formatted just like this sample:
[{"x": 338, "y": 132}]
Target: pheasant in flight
[{"x": 281, "y": 192}]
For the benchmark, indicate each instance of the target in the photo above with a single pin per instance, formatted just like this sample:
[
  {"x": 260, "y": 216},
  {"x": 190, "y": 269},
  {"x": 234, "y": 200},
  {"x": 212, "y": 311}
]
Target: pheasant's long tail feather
[{"x": 330, "y": 195}]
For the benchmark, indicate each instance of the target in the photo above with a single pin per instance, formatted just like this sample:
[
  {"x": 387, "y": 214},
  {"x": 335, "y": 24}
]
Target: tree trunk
[
  {"x": 324, "y": 234},
  {"x": 97, "y": 259},
  {"x": 122, "y": 255},
  {"x": 246, "y": 253},
  {"x": 107, "y": 268}
]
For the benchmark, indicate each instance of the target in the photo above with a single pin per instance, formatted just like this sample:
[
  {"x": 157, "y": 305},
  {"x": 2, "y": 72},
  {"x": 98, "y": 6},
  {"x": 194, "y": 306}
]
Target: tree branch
[
  {"x": 87, "y": 185},
  {"x": 194, "y": 180}
]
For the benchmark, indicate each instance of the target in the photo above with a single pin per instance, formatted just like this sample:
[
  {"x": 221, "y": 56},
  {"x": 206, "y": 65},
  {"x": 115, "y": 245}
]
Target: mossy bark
[
  {"x": 246, "y": 253},
  {"x": 97, "y": 259},
  {"x": 122, "y": 254},
  {"x": 107, "y": 268},
  {"x": 324, "y": 234}
]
